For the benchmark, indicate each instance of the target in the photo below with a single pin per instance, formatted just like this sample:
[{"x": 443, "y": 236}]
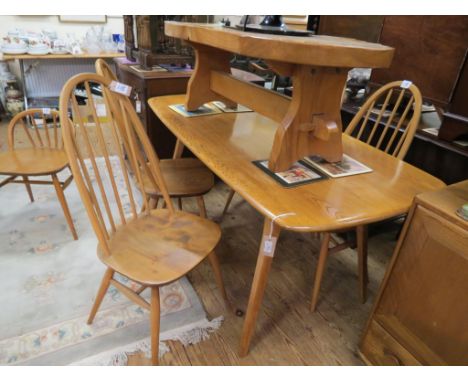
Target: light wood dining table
[{"x": 228, "y": 143}]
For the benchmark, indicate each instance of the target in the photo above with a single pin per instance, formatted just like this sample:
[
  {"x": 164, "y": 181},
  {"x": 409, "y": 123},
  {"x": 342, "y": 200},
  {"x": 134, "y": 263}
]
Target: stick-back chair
[
  {"x": 185, "y": 177},
  {"x": 388, "y": 120},
  {"x": 152, "y": 247},
  {"x": 37, "y": 152}
]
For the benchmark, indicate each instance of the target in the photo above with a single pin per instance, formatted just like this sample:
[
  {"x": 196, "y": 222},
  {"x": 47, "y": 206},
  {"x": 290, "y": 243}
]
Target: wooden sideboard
[
  {"x": 152, "y": 84},
  {"x": 420, "y": 315}
]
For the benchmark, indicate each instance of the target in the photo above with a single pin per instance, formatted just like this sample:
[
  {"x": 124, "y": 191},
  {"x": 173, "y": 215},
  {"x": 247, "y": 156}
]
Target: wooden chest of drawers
[{"x": 420, "y": 316}]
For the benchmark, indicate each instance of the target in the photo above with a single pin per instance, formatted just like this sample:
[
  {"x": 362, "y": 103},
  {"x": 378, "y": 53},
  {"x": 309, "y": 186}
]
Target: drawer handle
[{"x": 393, "y": 357}]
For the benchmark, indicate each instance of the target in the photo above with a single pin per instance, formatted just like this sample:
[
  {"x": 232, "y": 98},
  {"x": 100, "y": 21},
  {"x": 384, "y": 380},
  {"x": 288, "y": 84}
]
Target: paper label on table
[
  {"x": 46, "y": 110},
  {"x": 119, "y": 87},
  {"x": 269, "y": 244},
  {"x": 138, "y": 106},
  {"x": 405, "y": 84}
]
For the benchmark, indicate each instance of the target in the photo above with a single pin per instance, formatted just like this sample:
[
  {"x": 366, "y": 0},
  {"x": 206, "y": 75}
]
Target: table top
[
  {"x": 315, "y": 50},
  {"x": 227, "y": 143},
  {"x": 7, "y": 57}
]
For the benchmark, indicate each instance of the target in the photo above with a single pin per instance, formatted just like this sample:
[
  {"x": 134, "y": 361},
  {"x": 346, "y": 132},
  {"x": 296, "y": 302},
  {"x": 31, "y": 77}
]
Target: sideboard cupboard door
[{"x": 423, "y": 302}]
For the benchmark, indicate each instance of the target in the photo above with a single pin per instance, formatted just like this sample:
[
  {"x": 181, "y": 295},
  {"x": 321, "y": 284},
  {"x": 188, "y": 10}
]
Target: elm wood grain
[
  {"x": 287, "y": 334},
  {"x": 228, "y": 142},
  {"x": 391, "y": 97},
  {"x": 407, "y": 122},
  {"x": 184, "y": 177},
  {"x": 291, "y": 338},
  {"x": 425, "y": 313},
  {"x": 153, "y": 247},
  {"x": 104, "y": 69},
  {"x": 199, "y": 90},
  {"x": 318, "y": 50},
  {"x": 439, "y": 158},
  {"x": 311, "y": 123},
  {"x": 42, "y": 155}
]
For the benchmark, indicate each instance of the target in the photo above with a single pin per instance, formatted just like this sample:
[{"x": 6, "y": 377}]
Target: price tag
[
  {"x": 269, "y": 244},
  {"x": 138, "y": 106},
  {"x": 101, "y": 110},
  {"x": 120, "y": 88},
  {"x": 46, "y": 110},
  {"x": 405, "y": 84}
]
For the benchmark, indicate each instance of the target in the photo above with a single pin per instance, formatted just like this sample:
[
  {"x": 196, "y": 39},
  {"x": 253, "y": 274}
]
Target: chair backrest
[
  {"x": 103, "y": 68},
  {"x": 395, "y": 121},
  {"x": 40, "y": 129},
  {"x": 109, "y": 202}
]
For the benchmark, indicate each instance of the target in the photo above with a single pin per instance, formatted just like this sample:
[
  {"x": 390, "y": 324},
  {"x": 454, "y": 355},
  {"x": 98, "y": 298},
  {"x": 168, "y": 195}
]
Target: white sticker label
[
  {"x": 269, "y": 244},
  {"x": 101, "y": 110},
  {"x": 138, "y": 106},
  {"x": 405, "y": 84},
  {"x": 46, "y": 110},
  {"x": 120, "y": 88}
]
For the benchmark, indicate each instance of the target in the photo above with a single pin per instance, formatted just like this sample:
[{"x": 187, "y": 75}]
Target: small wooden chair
[
  {"x": 42, "y": 155},
  {"x": 390, "y": 103},
  {"x": 154, "y": 247},
  {"x": 185, "y": 177}
]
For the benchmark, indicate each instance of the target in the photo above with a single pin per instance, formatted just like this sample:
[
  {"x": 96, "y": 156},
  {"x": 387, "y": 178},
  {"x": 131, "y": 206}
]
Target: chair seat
[
  {"x": 183, "y": 177},
  {"x": 157, "y": 249},
  {"x": 30, "y": 161}
]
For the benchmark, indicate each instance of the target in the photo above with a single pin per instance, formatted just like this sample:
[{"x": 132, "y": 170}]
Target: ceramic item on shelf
[
  {"x": 14, "y": 45},
  {"x": 14, "y": 106},
  {"x": 59, "y": 47},
  {"x": 12, "y": 93},
  {"x": 38, "y": 48},
  {"x": 13, "y": 50}
]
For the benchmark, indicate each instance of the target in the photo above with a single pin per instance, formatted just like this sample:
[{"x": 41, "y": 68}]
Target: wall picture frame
[{"x": 83, "y": 18}]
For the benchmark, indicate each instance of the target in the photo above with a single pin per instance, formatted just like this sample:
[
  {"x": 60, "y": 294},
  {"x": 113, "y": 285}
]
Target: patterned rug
[{"x": 49, "y": 281}]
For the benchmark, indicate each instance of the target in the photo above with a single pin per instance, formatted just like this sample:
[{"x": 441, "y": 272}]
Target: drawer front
[{"x": 380, "y": 348}]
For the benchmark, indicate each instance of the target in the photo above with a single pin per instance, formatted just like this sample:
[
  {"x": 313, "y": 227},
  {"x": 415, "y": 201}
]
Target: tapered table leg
[{"x": 265, "y": 257}]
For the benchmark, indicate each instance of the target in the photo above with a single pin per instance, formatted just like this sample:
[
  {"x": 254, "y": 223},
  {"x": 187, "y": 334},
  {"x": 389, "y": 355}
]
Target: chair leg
[
  {"x": 361, "y": 239},
  {"x": 201, "y": 206},
  {"x": 320, "y": 269},
  {"x": 101, "y": 293},
  {"x": 155, "y": 318},
  {"x": 214, "y": 261},
  {"x": 228, "y": 201},
  {"x": 28, "y": 188},
  {"x": 63, "y": 202}
]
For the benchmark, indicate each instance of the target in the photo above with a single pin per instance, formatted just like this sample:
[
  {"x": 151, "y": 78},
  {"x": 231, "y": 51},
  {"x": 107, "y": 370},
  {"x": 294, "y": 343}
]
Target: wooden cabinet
[
  {"x": 421, "y": 314},
  {"x": 152, "y": 84}
]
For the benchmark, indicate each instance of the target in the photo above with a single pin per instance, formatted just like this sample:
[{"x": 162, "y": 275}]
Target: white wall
[{"x": 36, "y": 23}]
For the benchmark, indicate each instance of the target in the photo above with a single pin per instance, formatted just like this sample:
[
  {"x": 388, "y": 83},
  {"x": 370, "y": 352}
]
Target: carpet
[{"x": 49, "y": 282}]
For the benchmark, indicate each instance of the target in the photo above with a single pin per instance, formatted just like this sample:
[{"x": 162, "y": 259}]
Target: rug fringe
[{"x": 187, "y": 335}]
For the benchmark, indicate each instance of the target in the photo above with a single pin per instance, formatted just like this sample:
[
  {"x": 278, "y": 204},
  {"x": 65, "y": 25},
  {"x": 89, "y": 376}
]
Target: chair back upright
[
  {"x": 109, "y": 202},
  {"x": 104, "y": 69},
  {"x": 40, "y": 126},
  {"x": 396, "y": 109}
]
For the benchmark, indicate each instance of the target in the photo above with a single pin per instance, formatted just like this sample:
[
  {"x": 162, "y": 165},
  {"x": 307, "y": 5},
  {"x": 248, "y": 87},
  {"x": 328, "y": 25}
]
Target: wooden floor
[{"x": 287, "y": 332}]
